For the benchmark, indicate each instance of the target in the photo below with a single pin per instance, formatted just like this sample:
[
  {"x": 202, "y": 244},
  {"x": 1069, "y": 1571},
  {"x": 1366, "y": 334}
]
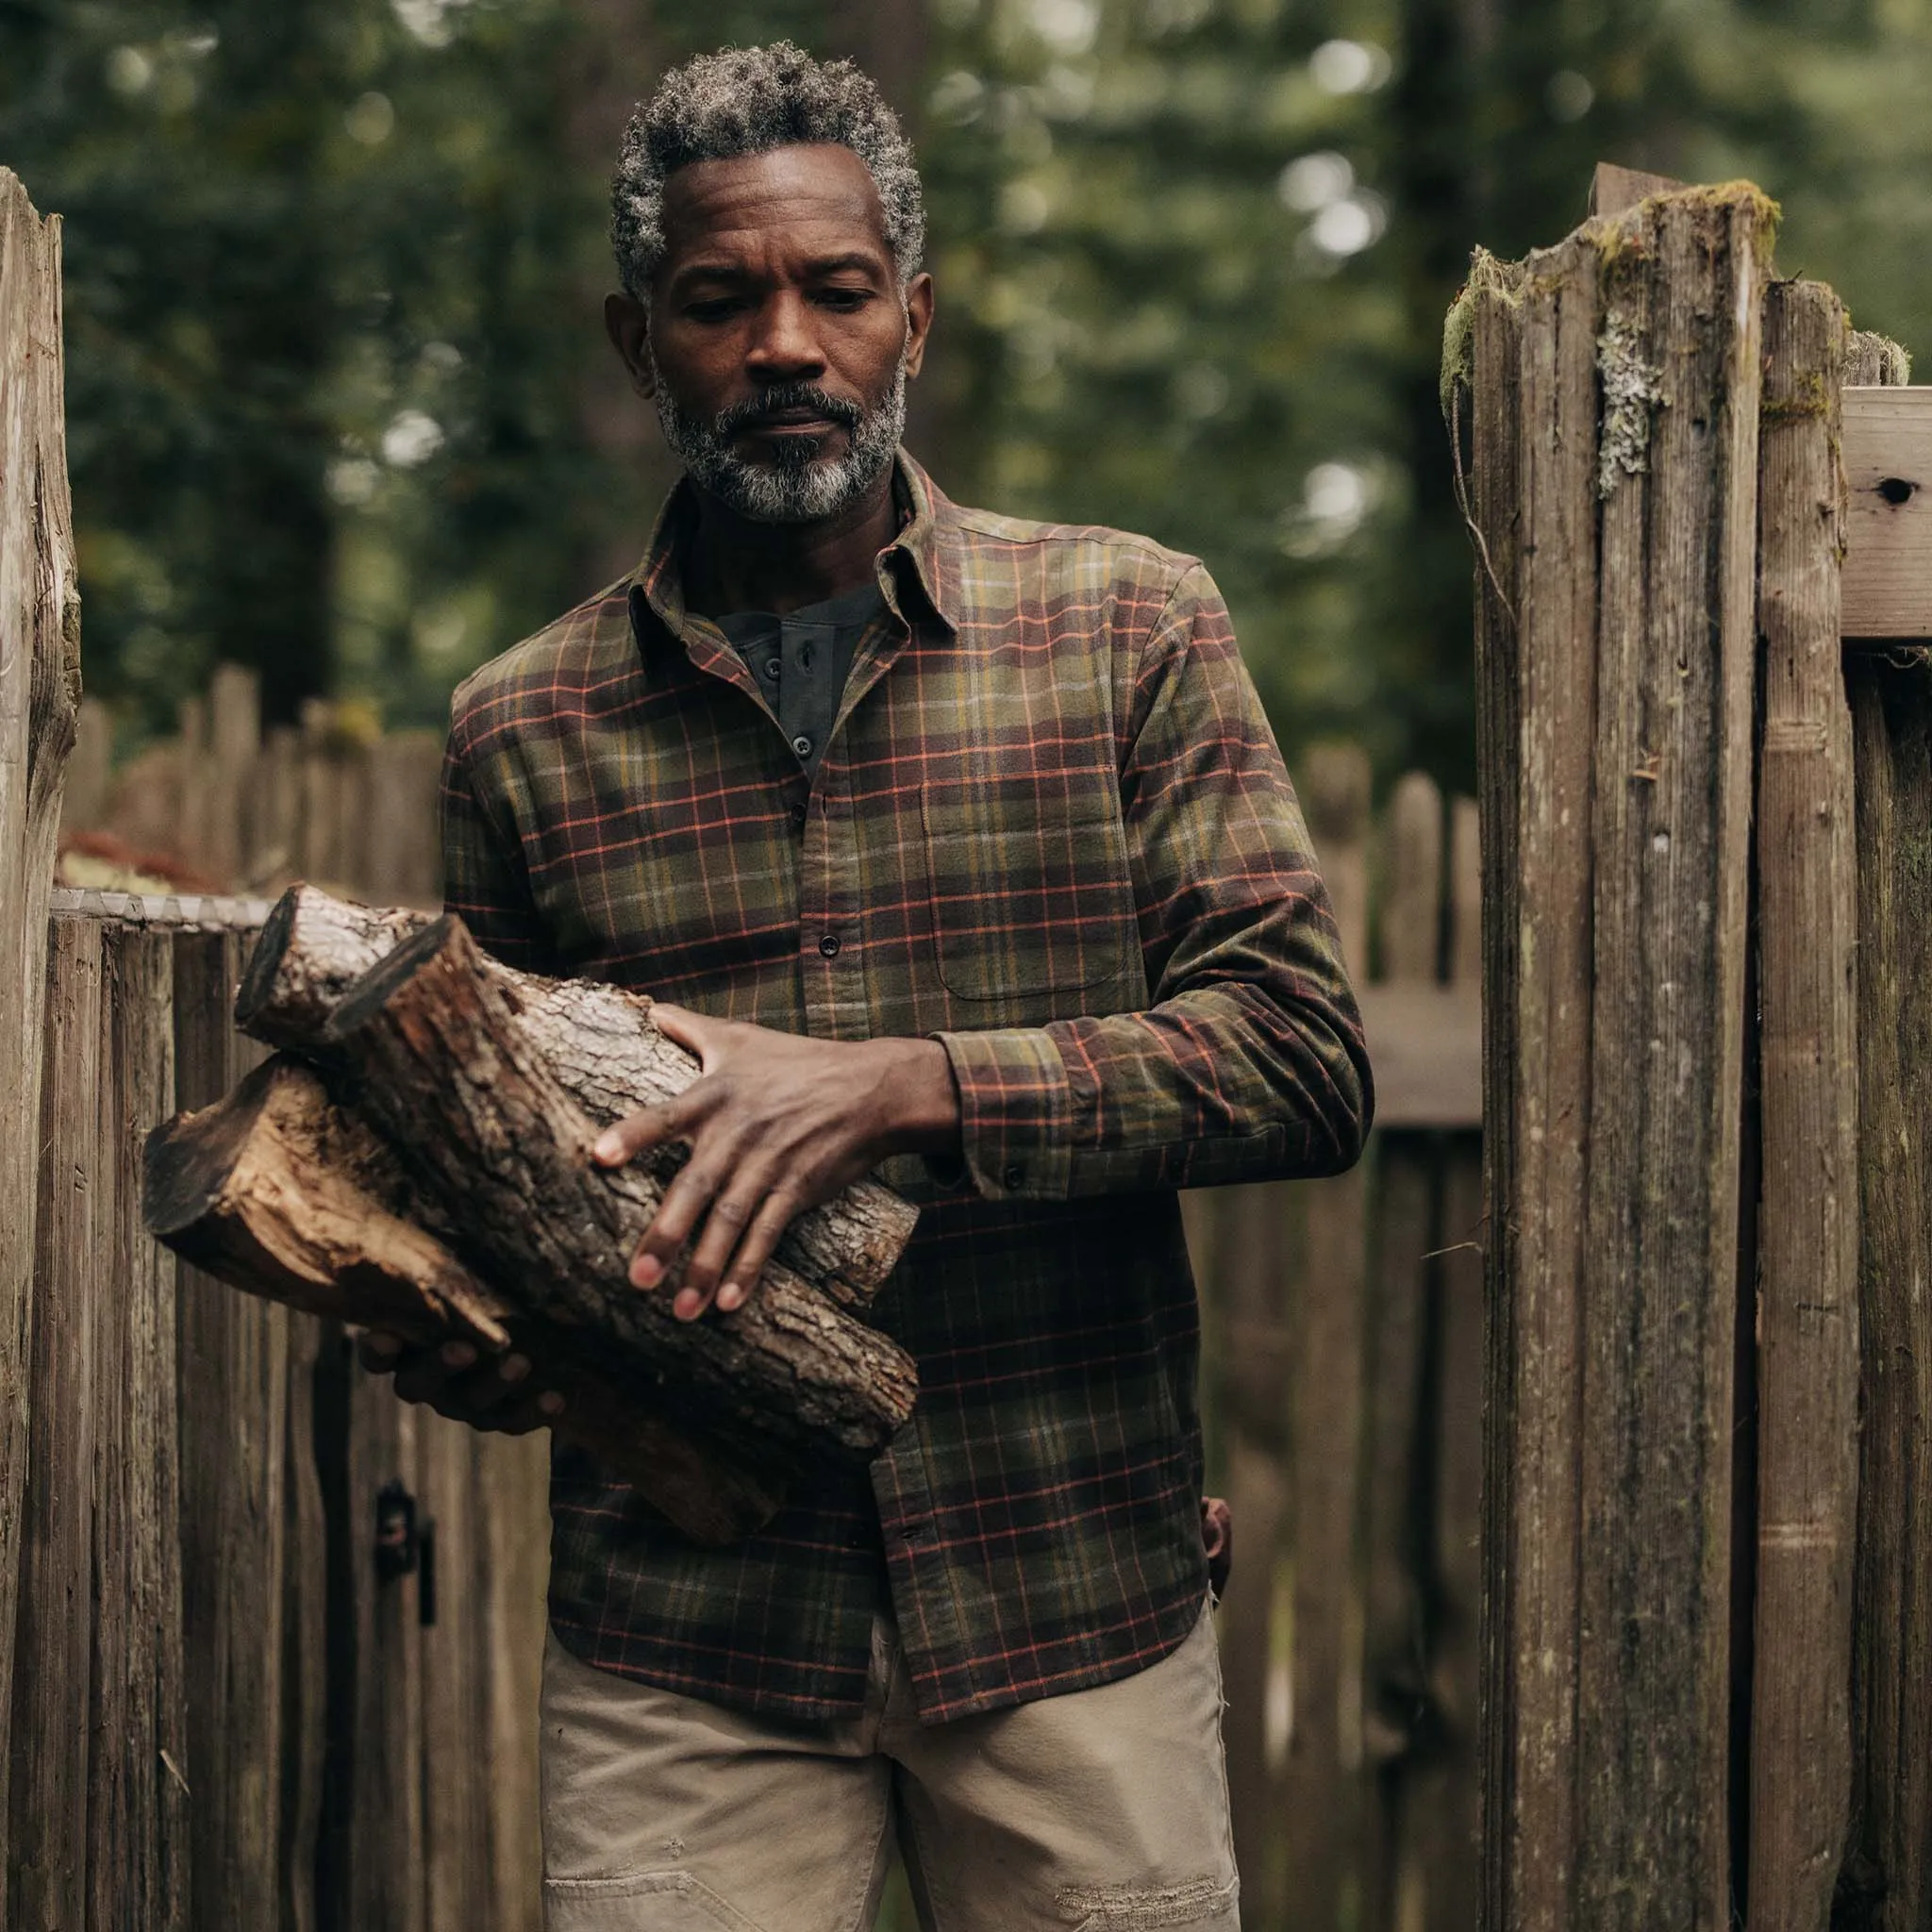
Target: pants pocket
[{"x": 640, "y": 1901}]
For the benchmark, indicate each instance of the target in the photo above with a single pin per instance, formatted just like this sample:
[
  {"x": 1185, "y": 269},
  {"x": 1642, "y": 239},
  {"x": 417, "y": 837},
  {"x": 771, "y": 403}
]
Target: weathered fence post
[
  {"x": 40, "y": 691},
  {"x": 1887, "y": 1883},
  {"x": 1808, "y": 1231},
  {"x": 1616, "y": 506},
  {"x": 1325, "y": 1365}
]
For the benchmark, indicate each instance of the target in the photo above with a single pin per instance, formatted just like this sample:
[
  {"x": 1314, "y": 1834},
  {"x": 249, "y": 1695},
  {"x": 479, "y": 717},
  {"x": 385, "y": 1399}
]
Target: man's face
[{"x": 779, "y": 342}]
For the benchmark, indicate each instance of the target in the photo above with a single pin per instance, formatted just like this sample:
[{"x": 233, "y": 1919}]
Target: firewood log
[
  {"x": 428, "y": 1047},
  {"x": 278, "y": 1192},
  {"x": 599, "y": 1042}
]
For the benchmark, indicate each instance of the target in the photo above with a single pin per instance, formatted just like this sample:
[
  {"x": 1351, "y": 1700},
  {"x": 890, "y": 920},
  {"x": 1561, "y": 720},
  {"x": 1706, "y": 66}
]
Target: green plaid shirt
[{"x": 1052, "y": 830}]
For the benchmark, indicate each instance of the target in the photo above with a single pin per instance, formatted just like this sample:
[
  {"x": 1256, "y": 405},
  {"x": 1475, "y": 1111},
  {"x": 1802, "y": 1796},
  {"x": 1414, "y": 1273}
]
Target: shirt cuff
[{"x": 1016, "y": 1111}]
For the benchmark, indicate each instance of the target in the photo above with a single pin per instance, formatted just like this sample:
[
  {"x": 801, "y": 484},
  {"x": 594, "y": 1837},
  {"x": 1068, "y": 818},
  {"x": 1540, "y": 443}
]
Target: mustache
[{"x": 786, "y": 395}]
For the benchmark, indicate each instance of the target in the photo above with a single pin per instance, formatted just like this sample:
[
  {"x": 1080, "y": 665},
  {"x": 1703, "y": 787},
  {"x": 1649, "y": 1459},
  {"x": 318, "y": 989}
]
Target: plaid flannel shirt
[{"x": 1053, "y": 831}]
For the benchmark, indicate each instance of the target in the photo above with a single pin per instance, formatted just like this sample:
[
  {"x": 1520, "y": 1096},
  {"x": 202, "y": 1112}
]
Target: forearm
[{"x": 1218, "y": 1084}]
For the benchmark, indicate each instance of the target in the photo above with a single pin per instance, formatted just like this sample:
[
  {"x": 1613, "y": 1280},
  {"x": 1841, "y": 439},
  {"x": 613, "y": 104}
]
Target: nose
[{"x": 785, "y": 347}]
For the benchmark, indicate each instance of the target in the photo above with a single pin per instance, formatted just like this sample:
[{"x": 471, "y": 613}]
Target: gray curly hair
[{"x": 745, "y": 101}]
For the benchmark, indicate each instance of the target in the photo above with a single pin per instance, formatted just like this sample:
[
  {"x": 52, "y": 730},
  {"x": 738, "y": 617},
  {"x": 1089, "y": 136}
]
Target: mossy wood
[
  {"x": 597, "y": 1040},
  {"x": 1615, "y": 387}
]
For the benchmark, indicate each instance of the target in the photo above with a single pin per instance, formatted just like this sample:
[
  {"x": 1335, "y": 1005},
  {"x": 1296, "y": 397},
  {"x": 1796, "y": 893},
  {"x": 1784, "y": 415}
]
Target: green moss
[
  {"x": 1487, "y": 278},
  {"x": 1808, "y": 403}
]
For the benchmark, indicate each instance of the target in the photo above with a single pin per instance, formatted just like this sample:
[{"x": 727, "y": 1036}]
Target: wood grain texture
[
  {"x": 143, "y": 1485},
  {"x": 1324, "y": 1796},
  {"x": 234, "y": 1364},
  {"x": 598, "y": 1041},
  {"x": 1535, "y": 408},
  {"x": 40, "y": 693},
  {"x": 1248, "y": 1262},
  {"x": 1396, "y": 1716},
  {"x": 1887, "y": 534},
  {"x": 1491, "y": 503},
  {"x": 52, "y": 1683},
  {"x": 1685, "y": 276},
  {"x": 1807, "y": 1233},
  {"x": 428, "y": 1044},
  {"x": 279, "y": 1192},
  {"x": 137, "y": 1811},
  {"x": 1886, "y": 1882}
]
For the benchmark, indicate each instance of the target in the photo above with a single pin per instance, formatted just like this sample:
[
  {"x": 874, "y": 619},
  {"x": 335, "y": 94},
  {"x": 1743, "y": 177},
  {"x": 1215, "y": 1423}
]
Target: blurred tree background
[{"x": 340, "y": 407}]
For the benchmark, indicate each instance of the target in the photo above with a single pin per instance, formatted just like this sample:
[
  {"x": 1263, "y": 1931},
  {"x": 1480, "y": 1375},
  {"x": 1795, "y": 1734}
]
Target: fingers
[
  {"x": 692, "y": 1191},
  {"x": 498, "y": 1394},
  {"x": 692, "y": 1030},
  {"x": 741, "y": 1274},
  {"x": 652, "y": 1127}
]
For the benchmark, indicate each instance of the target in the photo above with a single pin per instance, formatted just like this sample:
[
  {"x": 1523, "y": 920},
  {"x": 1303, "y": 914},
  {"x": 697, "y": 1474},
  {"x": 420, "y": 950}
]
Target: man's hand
[
  {"x": 497, "y": 1396},
  {"x": 776, "y": 1124}
]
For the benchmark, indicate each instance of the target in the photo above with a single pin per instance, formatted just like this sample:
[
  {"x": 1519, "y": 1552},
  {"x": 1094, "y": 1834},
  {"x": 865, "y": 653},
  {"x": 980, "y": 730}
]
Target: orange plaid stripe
[{"x": 1052, "y": 829}]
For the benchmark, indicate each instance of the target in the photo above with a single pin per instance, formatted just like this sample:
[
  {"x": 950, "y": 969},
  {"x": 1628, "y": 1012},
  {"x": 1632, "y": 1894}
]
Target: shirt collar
[{"x": 922, "y": 552}]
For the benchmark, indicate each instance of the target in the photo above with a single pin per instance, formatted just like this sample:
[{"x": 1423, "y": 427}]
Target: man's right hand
[{"x": 496, "y": 1393}]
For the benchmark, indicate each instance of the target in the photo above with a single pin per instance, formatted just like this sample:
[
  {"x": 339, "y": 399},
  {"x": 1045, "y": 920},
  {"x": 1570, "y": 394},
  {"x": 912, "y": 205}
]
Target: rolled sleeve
[{"x": 1016, "y": 1125}]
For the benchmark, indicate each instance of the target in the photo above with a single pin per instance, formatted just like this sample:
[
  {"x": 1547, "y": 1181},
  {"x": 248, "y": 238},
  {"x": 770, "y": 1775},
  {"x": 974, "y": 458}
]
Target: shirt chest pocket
[{"x": 1030, "y": 889}]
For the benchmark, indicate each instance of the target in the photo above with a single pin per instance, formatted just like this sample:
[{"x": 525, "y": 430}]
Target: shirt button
[
  {"x": 828, "y": 944},
  {"x": 772, "y": 667},
  {"x": 799, "y": 815},
  {"x": 1013, "y": 1176},
  {"x": 802, "y": 745}
]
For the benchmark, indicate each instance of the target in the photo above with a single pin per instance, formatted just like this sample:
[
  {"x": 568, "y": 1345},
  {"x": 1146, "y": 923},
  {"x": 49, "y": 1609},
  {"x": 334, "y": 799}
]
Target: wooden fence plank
[
  {"x": 234, "y": 727},
  {"x": 1807, "y": 1238},
  {"x": 1396, "y": 1715},
  {"x": 46, "y": 1888},
  {"x": 513, "y": 1478},
  {"x": 140, "y": 995},
  {"x": 1248, "y": 1277},
  {"x": 402, "y": 866},
  {"x": 234, "y": 1363},
  {"x": 1684, "y": 285},
  {"x": 39, "y": 679},
  {"x": 1887, "y": 1884},
  {"x": 1446, "y": 1807},
  {"x": 1534, "y": 444},
  {"x": 1888, "y": 460},
  {"x": 306, "y": 1634},
  {"x": 1324, "y": 1797}
]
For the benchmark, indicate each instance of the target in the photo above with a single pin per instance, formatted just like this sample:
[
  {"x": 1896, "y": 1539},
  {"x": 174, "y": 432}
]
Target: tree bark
[
  {"x": 429, "y": 1047},
  {"x": 597, "y": 1040},
  {"x": 281, "y": 1193}
]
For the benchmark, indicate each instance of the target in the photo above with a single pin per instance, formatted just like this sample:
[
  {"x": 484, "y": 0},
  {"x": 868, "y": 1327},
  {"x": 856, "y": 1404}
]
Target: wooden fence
[
  {"x": 1704, "y": 534},
  {"x": 278, "y": 1635},
  {"x": 1344, "y": 1345}
]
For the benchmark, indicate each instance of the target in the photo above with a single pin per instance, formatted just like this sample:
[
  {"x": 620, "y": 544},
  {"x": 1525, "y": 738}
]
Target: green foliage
[{"x": 337, "y": 395}]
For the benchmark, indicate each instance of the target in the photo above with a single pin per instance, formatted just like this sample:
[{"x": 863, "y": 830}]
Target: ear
[
  {"x": 627, "y": 323},
  {"x": 918, "y": 320}
]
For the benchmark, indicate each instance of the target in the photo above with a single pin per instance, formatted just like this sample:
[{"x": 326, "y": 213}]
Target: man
[{"x": 962, "y": 846}]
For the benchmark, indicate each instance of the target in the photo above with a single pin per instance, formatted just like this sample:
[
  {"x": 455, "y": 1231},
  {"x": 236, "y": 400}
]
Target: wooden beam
[
  {"x": 1614, "y": 191},
  {"x": 1427, "y": 1045},
  {"x": 1888, "y": 460}
]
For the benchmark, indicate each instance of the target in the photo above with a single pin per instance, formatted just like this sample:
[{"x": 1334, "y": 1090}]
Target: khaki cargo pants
[{"x": 1105, "y": 1809}]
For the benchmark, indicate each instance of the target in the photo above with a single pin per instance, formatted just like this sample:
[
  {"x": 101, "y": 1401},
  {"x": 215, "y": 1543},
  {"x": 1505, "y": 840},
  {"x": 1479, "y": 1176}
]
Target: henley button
[
  {"x": 802, "y": 745},
  {"x": 772, "y": 667},
  {"x": 828, "y": 944},
  {"x": 799, "y": 815}
]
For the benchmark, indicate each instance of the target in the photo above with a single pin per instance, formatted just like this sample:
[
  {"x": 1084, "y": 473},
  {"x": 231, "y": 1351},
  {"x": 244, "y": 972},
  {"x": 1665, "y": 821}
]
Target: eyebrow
[{"x": 858, "y": 258}]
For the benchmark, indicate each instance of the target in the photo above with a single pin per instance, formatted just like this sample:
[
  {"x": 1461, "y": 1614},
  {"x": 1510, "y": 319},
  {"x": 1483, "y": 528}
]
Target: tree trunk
[
  {"x": 280, "y": 1192},
  {"x": 597, "y": 1040}
]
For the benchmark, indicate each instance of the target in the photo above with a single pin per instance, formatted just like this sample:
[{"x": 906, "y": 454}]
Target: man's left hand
[{"x": 776, "y": 1124}]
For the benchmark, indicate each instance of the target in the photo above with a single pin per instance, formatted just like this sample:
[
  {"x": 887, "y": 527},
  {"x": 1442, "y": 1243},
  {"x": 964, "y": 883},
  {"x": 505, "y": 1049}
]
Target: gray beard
[{"x": 798, "y": 485}]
